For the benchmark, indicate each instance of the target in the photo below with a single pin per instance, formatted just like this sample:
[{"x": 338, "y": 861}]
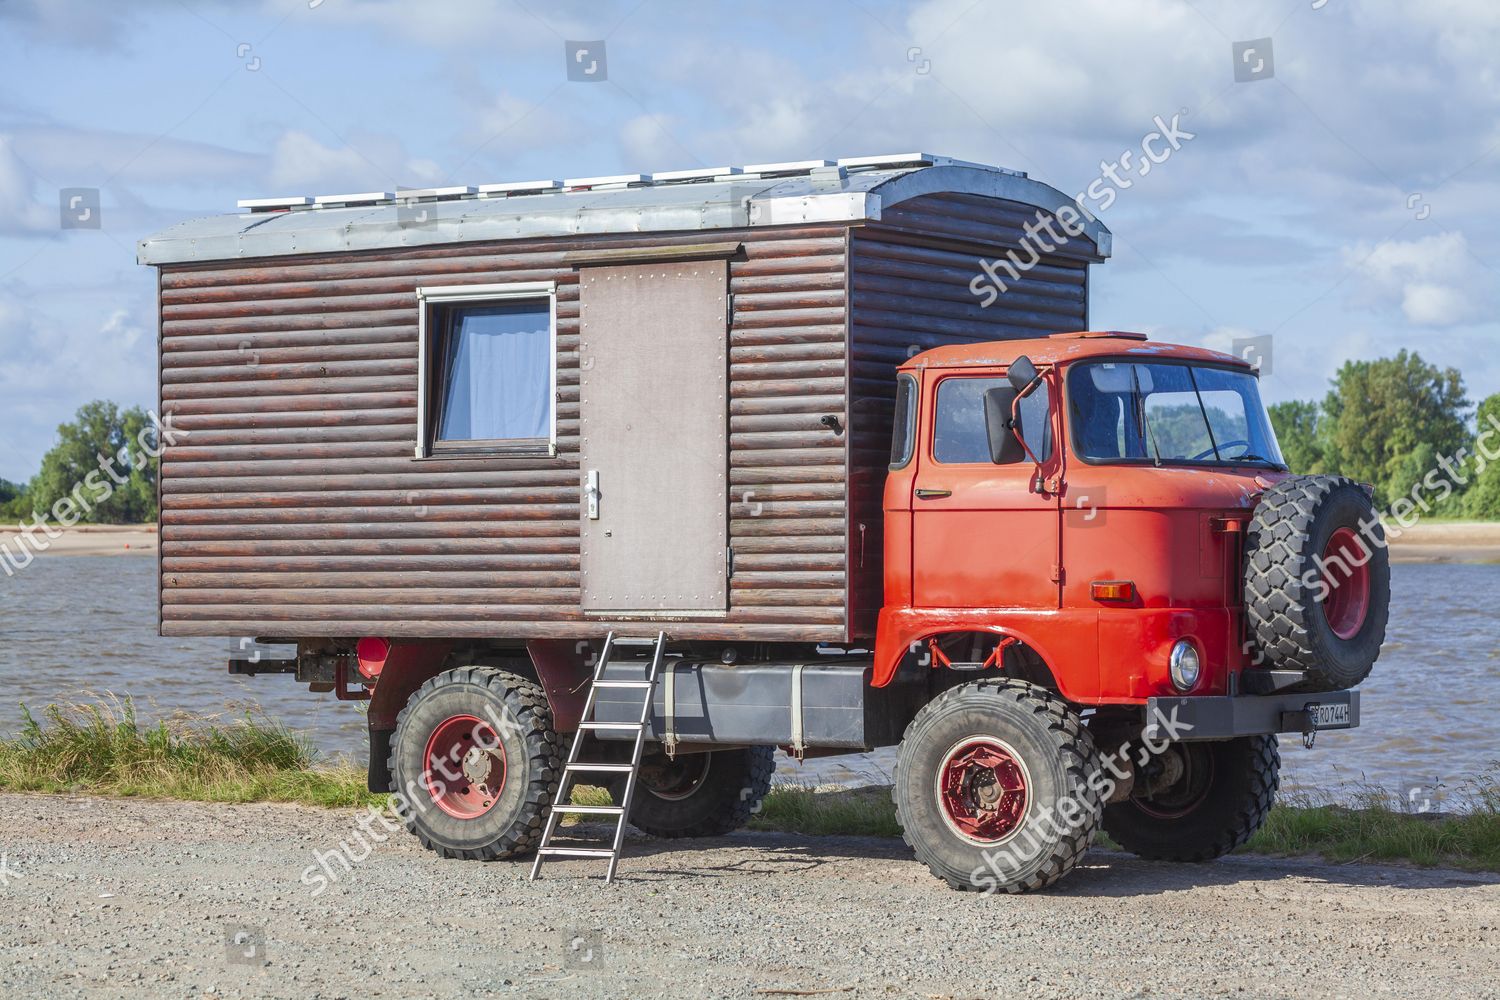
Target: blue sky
[{"x": 1344, "y": 203}]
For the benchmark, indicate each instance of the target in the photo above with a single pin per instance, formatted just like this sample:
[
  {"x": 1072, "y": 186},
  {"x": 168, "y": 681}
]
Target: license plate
[{"x": 1329, "y": 716}]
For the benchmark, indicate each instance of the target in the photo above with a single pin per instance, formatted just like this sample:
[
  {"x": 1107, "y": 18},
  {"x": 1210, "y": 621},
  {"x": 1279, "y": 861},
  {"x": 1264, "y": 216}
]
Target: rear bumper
[{"x": 1183, "y": 720}]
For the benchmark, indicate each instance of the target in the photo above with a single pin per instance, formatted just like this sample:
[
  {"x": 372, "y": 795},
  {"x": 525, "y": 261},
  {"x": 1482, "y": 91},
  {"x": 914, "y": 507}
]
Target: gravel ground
[{"x": 104, "y": 898}]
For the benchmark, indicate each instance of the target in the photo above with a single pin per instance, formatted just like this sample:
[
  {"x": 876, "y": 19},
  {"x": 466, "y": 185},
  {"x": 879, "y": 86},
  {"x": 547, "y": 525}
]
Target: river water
[{"x": 76, "y": 628}]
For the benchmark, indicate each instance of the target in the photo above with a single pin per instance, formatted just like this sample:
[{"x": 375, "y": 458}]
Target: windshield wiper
[
  {"x": 1135, "y": 381},
  {"x": 1208, "y": 425}
]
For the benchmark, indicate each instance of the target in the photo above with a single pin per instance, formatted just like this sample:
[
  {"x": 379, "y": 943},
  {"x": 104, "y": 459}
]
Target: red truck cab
[
  {"x": 1092, "y": 551},
  {"x": 1108, "y": 524}
]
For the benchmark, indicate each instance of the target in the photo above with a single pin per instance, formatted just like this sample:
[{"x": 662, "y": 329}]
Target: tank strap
[
  {"x": 799, "y": 744},
  {"x": 669, "y": 709}
]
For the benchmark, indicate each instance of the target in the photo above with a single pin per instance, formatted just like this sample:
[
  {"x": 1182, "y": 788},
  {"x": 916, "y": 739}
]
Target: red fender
[
  {"x": 1077, "y": 675},
  {"x": 405, "y": 667},
  {"x": 562, "y": 665}
]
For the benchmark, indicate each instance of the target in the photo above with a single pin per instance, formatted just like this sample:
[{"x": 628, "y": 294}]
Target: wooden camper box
[{"x": 303, "y": 498}]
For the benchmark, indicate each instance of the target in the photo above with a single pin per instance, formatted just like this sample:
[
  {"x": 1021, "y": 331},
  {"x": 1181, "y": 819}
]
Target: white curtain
[{"x": 498, "y": 381}]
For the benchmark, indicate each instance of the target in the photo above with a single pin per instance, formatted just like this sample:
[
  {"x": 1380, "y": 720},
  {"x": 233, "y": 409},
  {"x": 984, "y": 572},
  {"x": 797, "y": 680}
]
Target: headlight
[{"x": 1185, "y": 665}]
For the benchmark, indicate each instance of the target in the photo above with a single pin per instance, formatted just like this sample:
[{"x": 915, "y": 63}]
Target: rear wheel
[
  {"x": 698, "y": 794},
  {"x": 476, "y": 763},
  {"x": 1198, "y": 801},
  {"x": 993, "y": 786}
]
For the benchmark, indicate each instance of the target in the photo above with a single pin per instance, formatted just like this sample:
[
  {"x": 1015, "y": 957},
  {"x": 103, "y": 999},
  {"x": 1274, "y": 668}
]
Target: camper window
[{"x": 489, "y": 380}]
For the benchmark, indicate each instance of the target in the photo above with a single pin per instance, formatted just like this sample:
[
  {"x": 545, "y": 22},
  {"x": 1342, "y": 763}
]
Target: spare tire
[{"x": 1317, "y": 581}]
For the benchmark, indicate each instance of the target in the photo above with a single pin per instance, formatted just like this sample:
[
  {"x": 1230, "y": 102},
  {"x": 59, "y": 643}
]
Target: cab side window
[
  {"x": 959, "y": 433},
  {"x": 904, "y": 429}
]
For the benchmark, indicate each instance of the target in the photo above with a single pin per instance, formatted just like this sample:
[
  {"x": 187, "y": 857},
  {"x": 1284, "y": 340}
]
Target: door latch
[{"x": 591, "y": 495}]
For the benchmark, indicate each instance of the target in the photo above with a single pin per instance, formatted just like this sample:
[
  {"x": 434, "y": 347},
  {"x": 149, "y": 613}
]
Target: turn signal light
[
  {"x": 372, "y": 653},
  {"x": 1112, "y": 590}
]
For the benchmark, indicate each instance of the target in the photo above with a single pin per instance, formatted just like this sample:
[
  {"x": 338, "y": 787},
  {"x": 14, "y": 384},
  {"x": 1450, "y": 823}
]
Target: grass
[
  {"x": 1304, "y": 823},
  {"x": 102, "y": 749},
  {"x": 861, "y": 812}
]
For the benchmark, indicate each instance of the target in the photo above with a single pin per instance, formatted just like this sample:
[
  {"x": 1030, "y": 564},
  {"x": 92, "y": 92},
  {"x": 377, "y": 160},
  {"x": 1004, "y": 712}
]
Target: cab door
[{"x": 982, "y": 537}]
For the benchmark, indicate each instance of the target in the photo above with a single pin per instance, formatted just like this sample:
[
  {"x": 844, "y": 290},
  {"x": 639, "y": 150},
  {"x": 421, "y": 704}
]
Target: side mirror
[
  {"x": 1022, "y": 373},
  {"x": 1005, "y": 448}
]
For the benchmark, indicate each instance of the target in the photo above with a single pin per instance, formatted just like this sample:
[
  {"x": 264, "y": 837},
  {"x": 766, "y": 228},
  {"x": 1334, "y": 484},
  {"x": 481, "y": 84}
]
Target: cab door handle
[{"x": 925, "y": 494}]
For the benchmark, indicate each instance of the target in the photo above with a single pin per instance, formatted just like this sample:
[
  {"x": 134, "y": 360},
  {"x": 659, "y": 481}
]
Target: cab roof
[{"x": 1062, "y": 348}]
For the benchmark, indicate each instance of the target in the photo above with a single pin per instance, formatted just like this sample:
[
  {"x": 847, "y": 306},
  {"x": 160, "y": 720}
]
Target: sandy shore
[
  {"x": 89, "y": 540},
  {"x": 1467, "y": 542},
  {"x": 1463, "y": 542}
]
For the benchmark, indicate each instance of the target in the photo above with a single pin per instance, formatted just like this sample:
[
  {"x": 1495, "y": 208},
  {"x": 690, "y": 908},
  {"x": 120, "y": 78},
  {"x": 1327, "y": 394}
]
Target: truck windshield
[{"x": 1169, "y": 414}]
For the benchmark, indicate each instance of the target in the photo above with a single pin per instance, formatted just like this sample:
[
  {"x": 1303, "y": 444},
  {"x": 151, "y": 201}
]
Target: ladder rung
[
  {"x": 588, "y": 810},
  {"x": 622, "y": 684},
  {"x": 578, "y": 852},
  {"x": 623, "y": 641},
  {"x": 604, "y": 768},
  {"x": 610, "y": 725}
]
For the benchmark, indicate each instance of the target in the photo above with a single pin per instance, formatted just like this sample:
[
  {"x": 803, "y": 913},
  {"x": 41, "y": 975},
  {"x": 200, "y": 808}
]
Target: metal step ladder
[{"x": 562, "y": 805}]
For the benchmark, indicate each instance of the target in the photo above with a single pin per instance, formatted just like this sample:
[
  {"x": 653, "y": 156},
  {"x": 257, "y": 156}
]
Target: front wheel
[
  {"x": 1200, "y": 800},
  {"x": 998, "y": 786},
  {"x": 476, "y": 763},
  {"x": 698, "y": 794}
]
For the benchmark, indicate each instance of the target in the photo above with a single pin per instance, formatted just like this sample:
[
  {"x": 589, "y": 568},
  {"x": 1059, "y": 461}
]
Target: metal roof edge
[
  {"x": 954, "y": 178},
  {"x": 827, "y": 194}
]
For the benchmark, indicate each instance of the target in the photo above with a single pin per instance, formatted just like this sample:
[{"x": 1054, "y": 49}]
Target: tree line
[
  {"x": 1408, "y": 428},
  {"x": 100, "y": 463}
]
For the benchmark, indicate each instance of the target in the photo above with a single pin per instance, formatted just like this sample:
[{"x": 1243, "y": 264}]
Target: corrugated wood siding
[
  {"x": 294, "y": 507},
  {"x": 909, "y": 290}
]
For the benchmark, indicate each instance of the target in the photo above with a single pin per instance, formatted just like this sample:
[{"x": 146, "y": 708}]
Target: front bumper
[{"x": 1181, "y": 720}]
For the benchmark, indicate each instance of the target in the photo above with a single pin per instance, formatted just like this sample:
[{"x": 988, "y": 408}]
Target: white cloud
[
  {"x": 449, "y": 24},
  {"x": 93, "y": 348},
  {"x": 300, "y": 164},
  {"x": 1434, "y": 280},
  {"x": 20, "y": 212}
]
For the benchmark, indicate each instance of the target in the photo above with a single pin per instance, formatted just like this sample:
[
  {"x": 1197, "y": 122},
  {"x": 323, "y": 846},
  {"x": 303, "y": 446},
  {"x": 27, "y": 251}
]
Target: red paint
[
  {"x": 341, "y": 689},
  {"x": 407, "y": 665},
  {"x": 564, "y": 667},
  {"x": 1347, "y": 573},
  {"x": 465, "y": 767},
  {"x": 990, "y": 549},
  {"x": 983, "y": 790}
]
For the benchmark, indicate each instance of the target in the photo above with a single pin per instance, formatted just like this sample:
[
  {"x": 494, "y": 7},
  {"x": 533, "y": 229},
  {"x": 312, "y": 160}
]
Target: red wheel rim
[
  {"x": 982, "y": 790},
  {"x": 1346, "y": 573},
  {"x": 465, "y": 767}
]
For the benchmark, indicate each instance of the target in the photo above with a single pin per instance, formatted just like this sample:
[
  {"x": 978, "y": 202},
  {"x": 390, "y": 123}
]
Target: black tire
[
  {"x": 1287, "y": 596},
  {"x": 698, "y": 794},
  {"x": 1237, "y": 782},
  {"x": 521, "y": 722},
  {"x": 1036, "y": 730}
]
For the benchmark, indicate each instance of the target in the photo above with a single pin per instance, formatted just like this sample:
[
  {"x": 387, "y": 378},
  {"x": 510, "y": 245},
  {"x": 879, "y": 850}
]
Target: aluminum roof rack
[
  {"x": 346, "y": 200},
  {"x": 273, "y": 204},
  {"x": 790, "y": 167},
  {"x": 604, "y": 183},
  {"x": 419, "y": 194},
  {"x": 794, "y": 192},
  {"x": 517, "y": 187},
  {"x": 704, "y": 173}
]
